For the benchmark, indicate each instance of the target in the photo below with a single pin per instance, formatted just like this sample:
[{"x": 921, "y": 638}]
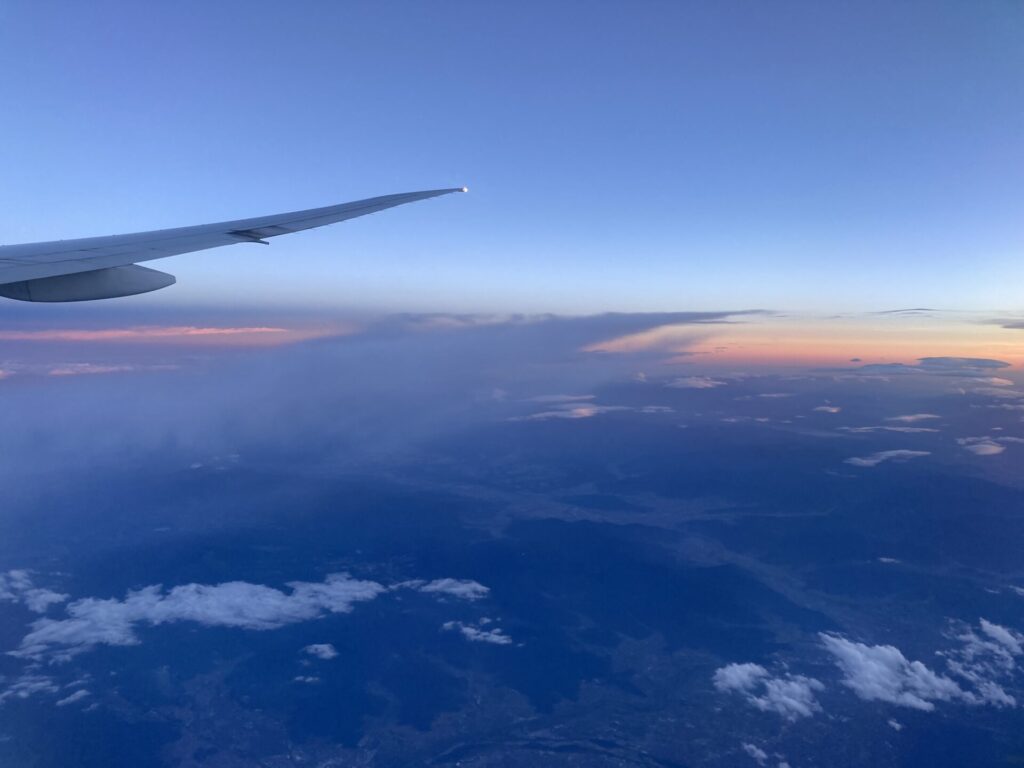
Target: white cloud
[
  {"x": 92, "y": 621},
  {"x": 477, "y": 635},
  {"x": 904, "y": 430},
  {"x": 791, "y": 696},
  {"x": 883, "y": 673},
  {"x": 76, "y": 696},
  {"x": 17, "y": 586},
  {"x": 28, "y": 685},
  {"x": 560, "y": 398},
  {"x": 896, "y": 725},
  {"x": 306, "y": 679},
  {"x": 656, "y": 409},
  {"x": 983, "y": 660},
  {"x": 464, "y": 589},
  {"x": 914, "y": 417},
  {"x": 696, "y": 382},
  {"x": 977, "y": 667},
  {"x": 573, "y": 411},
  {"x": 571, "y": 407},
  {"x": 877, "y": 458},
  {"x": 981, "y": 446},
  {"x": 828, "y": 409},
  {"x": 756, "y": 752},
  {"x": 324, "y": 651}
]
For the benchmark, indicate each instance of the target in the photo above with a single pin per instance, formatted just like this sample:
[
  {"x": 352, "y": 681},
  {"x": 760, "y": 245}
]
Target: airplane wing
[{"x": 106, "y": 267}]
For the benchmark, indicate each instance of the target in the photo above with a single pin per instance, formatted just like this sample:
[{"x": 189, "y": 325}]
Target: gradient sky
[{"x": 621, "y": 156}]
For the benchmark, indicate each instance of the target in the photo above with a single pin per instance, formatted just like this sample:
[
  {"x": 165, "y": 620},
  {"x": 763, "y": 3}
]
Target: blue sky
[{"x": 621, "y": 156}]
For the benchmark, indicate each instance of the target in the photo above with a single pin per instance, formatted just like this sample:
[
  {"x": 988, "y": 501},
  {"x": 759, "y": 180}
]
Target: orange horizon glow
[{"x": 815, "y": 342}]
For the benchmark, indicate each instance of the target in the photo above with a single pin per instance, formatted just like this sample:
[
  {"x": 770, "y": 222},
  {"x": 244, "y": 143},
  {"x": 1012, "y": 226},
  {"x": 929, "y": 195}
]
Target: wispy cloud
[
  {"x": 29, "y": 684},
  {"x": 560, "y": 398},
  {"x": 877, "y": 458},
  {"x": 478, "y": 634},
  {"x": 464, "y": 589},
  {"x": 573, "y": 412},
  {"x": 912, "y": 418},
  {"x": 792, "y": 696},
  {"x": 76, "y": 696},
  {"x": 904, "y": 430},
  {"x": 696, "y": 382},
  {"x": 758, "y": 754}
]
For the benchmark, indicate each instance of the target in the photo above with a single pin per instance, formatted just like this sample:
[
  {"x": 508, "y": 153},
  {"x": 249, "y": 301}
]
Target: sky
[{"x": 632, "y": 157}]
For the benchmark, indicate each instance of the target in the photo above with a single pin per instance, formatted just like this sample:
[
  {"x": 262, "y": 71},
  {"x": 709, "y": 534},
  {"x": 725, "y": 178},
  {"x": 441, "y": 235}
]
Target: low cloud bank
[{"x": 91, "y": 622}]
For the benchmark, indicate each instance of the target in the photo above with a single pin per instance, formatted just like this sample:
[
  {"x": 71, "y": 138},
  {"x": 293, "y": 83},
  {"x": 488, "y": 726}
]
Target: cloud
[
  {"x": 324, "y": 651},
  {"x": 477, "y": 635},
  {"x": 578, "y": 407},
  {"x": 996, "y": 381},
  {"x": 140, "y": 333},
  {"x": 914, "y": 417},
  {"x": 87, "y": 369},
  {"x": 882, "y": 673},
  {"x": 560, "y": 398},
  {"x": 573, "y": 411},
  {"x": 756, "y": 752},
  {"x": 877, "y": 458},
  {"x": 675, "y": 334},
  {"x": 1012, "y": 642},
  {"x": 904, "y": 430},
  {"x": 828, "y": 409},
  {"x": 17, "y": 587},
  {"x": 960, "y": 367},
  {"x": 983, "y": 658},
  {"x": 791, "y": 696},
  {"x": 306, "y": 679},
  {"x": 91, "y": 621},
  {"x": 76, "y": 696},
  {"x": 997, "y": 393},
  {"x": 464, "y": 589},
  {"x": 28, "y": 685},
  {"x": 981, "y": 446},
  {"x": 696, "y": 382}
]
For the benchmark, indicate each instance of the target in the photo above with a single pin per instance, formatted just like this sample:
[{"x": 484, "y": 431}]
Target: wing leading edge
[{"x": 97, "y": 267}]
